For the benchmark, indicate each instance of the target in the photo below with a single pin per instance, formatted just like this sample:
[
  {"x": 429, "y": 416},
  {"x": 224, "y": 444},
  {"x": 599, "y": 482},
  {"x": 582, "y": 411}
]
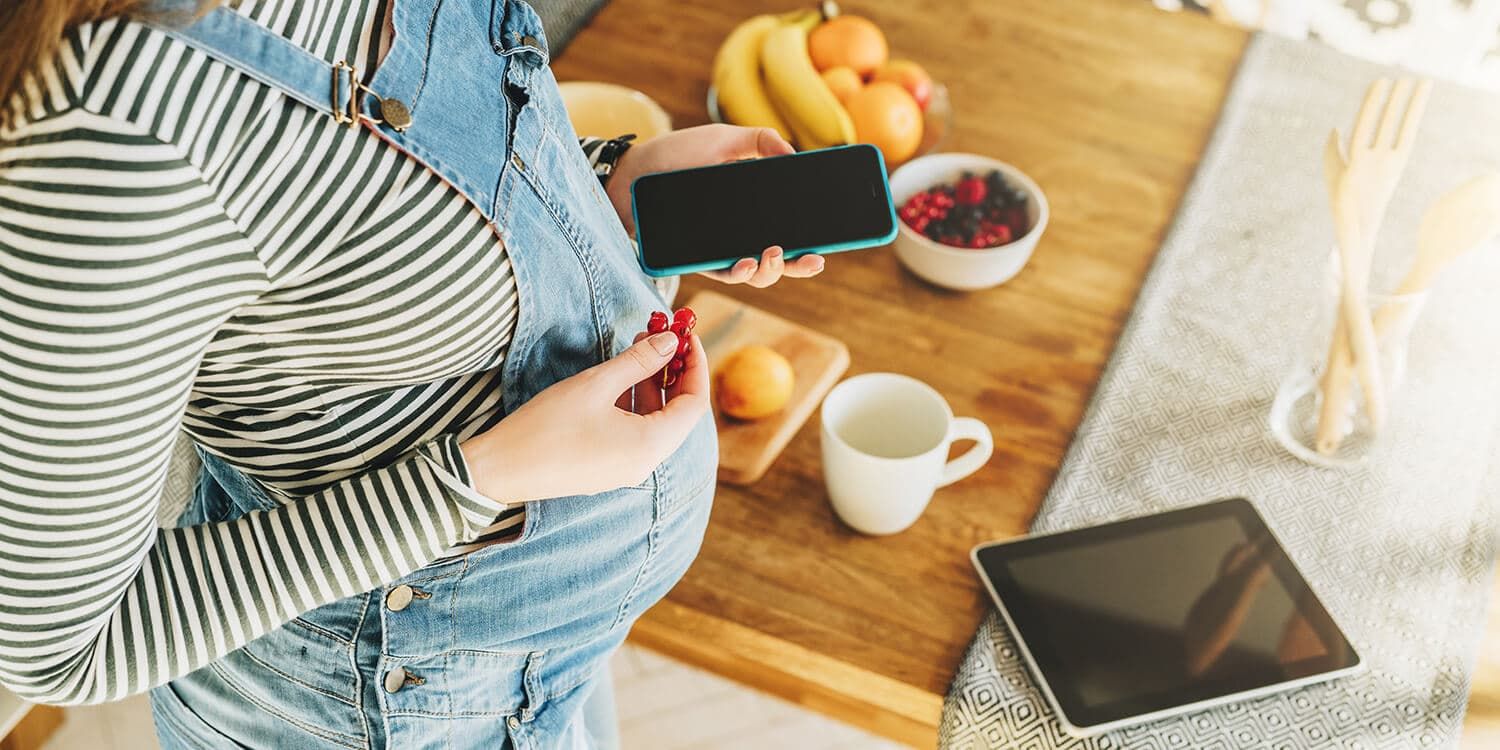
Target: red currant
[
  {"x": 658, "y": 322},
  {"x": 687, "y": 316}
]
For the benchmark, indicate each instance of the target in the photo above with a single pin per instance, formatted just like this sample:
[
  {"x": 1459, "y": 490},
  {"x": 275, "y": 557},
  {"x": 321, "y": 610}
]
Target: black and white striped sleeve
[{"x": 117, "y": 266}]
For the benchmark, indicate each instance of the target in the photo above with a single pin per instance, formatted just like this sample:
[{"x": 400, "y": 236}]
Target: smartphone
[{"x": 707, "y": 218}]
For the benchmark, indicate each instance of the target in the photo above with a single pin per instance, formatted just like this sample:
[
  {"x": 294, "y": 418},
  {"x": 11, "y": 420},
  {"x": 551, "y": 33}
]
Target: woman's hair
[{"x": 30, "y": 31}]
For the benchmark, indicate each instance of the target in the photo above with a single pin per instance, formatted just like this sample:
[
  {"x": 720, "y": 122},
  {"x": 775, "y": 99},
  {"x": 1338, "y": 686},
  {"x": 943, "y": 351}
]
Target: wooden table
[{"x": 1107, "y": 104}]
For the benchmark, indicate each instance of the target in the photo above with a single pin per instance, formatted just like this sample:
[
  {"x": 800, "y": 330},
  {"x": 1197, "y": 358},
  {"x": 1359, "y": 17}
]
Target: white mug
[{"x": 885, "y": 449}]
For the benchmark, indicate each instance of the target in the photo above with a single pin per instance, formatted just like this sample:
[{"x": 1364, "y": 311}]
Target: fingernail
[
  {"x": 664, "y": 343},
  {"x": 775, "y": 253},
  {"x": 818, "y": 262}
]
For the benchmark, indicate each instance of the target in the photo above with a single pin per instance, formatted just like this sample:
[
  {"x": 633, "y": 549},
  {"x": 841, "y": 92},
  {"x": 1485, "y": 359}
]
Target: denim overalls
[{"x": 499, "y": 648}]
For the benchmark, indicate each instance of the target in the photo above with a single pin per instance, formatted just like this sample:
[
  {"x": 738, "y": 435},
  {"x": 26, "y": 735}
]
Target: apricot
[
  {"x": 843, "y": 81},
  {"x": 753, "y": 383}
]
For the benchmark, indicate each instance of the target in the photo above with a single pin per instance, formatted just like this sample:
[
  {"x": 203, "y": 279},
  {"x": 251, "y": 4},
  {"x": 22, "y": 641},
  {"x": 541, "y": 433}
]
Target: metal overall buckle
[{"x": 392, "y": 111}]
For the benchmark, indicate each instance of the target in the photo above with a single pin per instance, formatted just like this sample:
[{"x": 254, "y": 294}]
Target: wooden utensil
[
  {"x": 1456, "y": 223},
  {"x": 1384, "y": 133},
  {"x": 746, "y": 449}
]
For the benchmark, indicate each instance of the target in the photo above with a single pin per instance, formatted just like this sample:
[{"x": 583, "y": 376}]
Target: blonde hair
[{"x": 30, "y": 31}]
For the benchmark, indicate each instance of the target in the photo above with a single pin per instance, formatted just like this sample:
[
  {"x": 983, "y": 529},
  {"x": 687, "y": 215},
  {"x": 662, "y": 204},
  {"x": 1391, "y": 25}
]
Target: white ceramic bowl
[
  {"x": 962, "y": 268},
  {"x": 605, "y": 110}
]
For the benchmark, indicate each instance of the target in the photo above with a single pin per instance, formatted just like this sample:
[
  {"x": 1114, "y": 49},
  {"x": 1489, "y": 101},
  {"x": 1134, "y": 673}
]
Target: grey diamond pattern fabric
[{"x": 1401, "y": 550}]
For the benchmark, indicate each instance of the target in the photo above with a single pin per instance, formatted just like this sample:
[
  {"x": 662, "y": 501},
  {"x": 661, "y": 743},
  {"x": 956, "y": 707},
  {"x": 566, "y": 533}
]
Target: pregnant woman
[{"x": 396, "y": 316}]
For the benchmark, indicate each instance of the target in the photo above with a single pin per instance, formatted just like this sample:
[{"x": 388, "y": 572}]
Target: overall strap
[{"x": 262, "y": 54}]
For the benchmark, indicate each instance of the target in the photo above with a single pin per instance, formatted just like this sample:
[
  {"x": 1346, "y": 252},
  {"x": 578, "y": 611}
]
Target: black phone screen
[{"x": 817, "y": 200}]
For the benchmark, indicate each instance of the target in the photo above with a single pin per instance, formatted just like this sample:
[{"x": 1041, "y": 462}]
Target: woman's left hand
[{"x": 701, "y": 146}]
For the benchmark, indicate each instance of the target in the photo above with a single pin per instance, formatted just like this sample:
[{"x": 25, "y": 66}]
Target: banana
[
  {"x": 742, "y": 96},
  {"x": 811, "y": 110}
]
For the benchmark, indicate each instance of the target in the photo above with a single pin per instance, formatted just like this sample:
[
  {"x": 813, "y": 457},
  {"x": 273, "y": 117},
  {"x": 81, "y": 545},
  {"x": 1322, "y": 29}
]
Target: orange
[
  {"x": 843, "y": 81},
  {"x": 885, "y": 115},
  {"x": 848, "y": 40}
]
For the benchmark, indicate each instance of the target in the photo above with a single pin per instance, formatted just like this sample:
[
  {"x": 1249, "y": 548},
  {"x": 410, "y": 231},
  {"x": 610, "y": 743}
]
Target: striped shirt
[{"x": 184, "y": 248}]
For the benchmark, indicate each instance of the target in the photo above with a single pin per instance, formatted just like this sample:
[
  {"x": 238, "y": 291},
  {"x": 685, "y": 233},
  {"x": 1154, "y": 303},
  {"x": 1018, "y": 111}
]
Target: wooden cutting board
[{"x": 746, "y": 449}]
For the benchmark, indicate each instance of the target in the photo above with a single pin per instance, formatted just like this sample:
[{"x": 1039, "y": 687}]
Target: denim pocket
[
  {"x": 178, "y": 727},
  {"x": 297, "y": 674}
]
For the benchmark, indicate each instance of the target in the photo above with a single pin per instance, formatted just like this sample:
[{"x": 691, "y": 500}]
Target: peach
[{"x": 910, "y": 76}]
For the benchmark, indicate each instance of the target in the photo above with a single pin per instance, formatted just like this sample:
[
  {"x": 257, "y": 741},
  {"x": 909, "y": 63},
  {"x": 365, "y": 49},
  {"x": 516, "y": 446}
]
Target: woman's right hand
[{"x": 606, "y": 427}]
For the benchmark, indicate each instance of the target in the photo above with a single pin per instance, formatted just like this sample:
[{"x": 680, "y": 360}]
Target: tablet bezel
[{"x": 1080, "y": 719}]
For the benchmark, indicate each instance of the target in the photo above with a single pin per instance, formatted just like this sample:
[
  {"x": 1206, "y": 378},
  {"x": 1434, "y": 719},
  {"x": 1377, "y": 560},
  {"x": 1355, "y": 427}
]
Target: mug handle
[{"x": 968, "y": 428}]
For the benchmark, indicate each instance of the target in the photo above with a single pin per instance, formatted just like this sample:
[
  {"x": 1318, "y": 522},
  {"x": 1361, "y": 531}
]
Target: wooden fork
[{"x": 1379, "y": 147}]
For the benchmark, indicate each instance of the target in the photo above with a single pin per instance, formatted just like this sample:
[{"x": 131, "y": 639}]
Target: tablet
[{"x": 1160, "y": 615}]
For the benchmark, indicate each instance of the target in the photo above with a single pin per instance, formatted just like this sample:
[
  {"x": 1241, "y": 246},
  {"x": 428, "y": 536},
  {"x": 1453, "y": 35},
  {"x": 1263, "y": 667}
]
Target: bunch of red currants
[{"x": 682, "y": 323}]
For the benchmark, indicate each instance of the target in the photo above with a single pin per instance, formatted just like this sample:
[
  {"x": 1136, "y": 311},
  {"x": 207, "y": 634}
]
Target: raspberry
[{"x": 970, "y": 191}]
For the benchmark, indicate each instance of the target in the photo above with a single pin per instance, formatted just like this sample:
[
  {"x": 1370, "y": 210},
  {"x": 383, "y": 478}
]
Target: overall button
[
  {"x": 395, "y": 680},
  {"x": 513, "y": 723},
  {"x": 395, "y": 113},
  {"x": 399, "y": 598}
]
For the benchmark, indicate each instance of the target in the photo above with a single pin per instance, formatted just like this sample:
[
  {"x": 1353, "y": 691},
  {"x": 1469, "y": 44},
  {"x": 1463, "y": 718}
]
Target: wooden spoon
[{"x": 1456, "y": 223}]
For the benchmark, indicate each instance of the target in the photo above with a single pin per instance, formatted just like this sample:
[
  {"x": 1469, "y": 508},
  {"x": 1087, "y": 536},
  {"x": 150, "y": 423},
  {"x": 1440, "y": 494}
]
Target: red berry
[
  {"x": 921, "y": 223},
  {"x": 908, "y": 213},
  {"x": 658, "y": 322},
  {"x": 1002, "y": 234},
  {"x": 970, "y": 191},
  {"x": 687, "y": 316},
  {"x": 684, "y": 345},
  {"x": 676, "y": 366}
]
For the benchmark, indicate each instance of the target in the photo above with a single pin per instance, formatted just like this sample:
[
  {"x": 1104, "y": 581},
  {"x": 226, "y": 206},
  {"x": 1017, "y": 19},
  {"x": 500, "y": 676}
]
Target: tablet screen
[{"x": 1151, "y": 613}]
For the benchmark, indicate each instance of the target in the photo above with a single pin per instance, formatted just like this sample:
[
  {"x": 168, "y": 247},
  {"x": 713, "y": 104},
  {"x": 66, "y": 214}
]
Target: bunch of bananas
[{"x": 765, "y": 78}]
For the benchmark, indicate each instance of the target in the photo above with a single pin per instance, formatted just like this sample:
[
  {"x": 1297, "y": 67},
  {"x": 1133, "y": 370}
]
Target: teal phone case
[{"x": 788, "y": 253}]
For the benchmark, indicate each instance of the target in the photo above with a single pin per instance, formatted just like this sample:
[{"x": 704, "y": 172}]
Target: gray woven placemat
[{"x": 1401, "y": 550}]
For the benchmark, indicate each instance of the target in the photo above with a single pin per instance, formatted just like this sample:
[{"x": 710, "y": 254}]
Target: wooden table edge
[{"x": 886, "y": 707}]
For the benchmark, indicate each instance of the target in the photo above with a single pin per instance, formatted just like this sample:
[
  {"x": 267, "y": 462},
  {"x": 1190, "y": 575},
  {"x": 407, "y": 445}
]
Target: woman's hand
[
  {"x": 606, "y": 427},
  {"x": 703, "y": 146}
]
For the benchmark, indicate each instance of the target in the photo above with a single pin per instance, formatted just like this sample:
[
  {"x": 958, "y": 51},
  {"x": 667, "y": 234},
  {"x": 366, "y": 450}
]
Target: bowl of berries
[{"x": 966, "y": 221}]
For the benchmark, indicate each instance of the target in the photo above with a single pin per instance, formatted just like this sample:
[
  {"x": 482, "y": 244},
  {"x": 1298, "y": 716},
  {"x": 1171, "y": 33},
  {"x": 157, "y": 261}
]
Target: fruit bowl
[
  {"x": 936, "y": 121},
  {"x": 956, "y": 267}
]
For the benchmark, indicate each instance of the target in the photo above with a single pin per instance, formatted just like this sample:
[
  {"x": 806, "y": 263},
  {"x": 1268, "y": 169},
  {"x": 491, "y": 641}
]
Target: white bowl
[
  {"x": 605, "y": 110},
  {"x": 955, "y": 267}
]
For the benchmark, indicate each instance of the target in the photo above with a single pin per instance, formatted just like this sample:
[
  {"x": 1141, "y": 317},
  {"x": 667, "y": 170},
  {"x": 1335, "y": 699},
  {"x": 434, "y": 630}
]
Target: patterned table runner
[{"x": 1401, "y": 550}]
